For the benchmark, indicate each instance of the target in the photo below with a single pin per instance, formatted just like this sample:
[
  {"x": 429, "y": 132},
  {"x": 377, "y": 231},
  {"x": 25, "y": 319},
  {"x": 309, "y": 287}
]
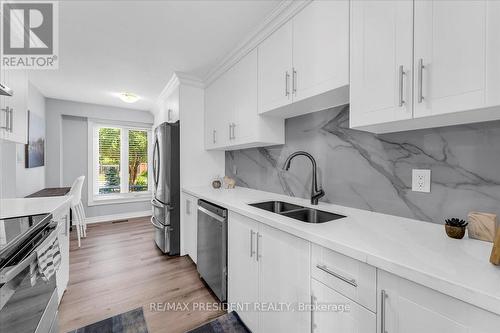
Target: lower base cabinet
[
  {"x": 271, "y": 287},
  {"x": 62, "y": 274},
  {"x": 268, "y": 277},
  {"x": 407, "y": 307},
  {"x": 333, "y": 312},
  {"x": 189, "y": 220}
]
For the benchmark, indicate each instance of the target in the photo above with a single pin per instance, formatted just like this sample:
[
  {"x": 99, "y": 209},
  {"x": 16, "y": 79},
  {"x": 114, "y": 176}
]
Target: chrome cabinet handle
[
  {"x": 401, "y": 85},
  {"x": 313, "y": 301},
  {"x": 234, "y": 134},
  {"x": 258, "y": 256},
  {"x": 383, "y": 296},
  {"x": 252, "y": 252},
  {"x": 294, "y": 81},
  {"x": 287, "y": 78},
  {"x": 325, "y": 269},
  {"x": 214, "y": 136},
  {"x": 421, "y": 67},
  {"x": 230, "y": 137},
  {"x": 11, "y": 120},
  {"x": 8, "y": 119},
  {"x": 169, "y": 117}
]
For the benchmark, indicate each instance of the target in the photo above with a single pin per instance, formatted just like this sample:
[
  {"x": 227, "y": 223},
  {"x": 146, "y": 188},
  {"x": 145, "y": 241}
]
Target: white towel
[{"x": 48, "y": 257}]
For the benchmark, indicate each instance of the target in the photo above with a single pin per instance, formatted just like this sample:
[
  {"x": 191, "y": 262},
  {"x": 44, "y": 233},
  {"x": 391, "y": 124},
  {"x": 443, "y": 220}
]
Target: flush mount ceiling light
[{"x": 128, "y": 97}]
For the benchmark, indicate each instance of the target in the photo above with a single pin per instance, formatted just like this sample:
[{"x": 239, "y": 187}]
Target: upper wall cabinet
[
  {"x": 232, "y": 120},
  {"x": 443, "y": 72},
  {"x": 381, "y": 61},
  {"x": 306, "y": 57},
  {"x": 14, "y": 109},
  {"x": 450, "y": 54}
]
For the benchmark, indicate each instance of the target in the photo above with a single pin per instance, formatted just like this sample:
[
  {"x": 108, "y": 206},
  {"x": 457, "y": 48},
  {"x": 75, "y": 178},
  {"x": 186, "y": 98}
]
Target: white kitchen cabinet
[
  {"x": 306, "y": 57},
  {"x": 243, "y": 269},
  {"x": 216, "y": 110},
  {"x": 320, "y": 48},
  {"x": 408, "y": 307},
  {"x": 16, "y": 119},
  {"x": 231, "y": 110},
  {"x": 333, "y": 312},
  {"x": 349, "y": 277},
  {"x": 61, "y": 216},
  {"x": 275, "y": 69},
  {"x": 453, "y": 74},
  {"x": 284, "y": 275},
  {"x": 268, "y": 266},
  {"x": 381, "y": 61},
  {"x": 450, "y": 54},
  {"x": 190, "y": 225}
]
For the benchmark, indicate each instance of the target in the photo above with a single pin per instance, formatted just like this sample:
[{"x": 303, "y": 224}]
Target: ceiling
[{"x": 107, "y": 47}]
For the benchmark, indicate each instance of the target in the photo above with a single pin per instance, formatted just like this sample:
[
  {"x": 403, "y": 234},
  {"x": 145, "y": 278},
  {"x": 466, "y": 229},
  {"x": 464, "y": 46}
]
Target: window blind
[
  {"x": 109, "y": 160},
  {"x": 138, "y": 160}
]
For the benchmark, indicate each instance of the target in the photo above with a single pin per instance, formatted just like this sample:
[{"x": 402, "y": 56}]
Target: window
[{"x": 120, "y": 162}]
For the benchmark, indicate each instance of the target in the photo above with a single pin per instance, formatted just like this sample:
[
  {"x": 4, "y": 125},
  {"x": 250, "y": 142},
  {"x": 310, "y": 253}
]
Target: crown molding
[
  {"x": 283, "y": 12},
  {"x": 177, "y": 79}
]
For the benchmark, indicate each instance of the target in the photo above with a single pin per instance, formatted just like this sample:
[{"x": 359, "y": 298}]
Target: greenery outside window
[{"x": 120, "y": 163}]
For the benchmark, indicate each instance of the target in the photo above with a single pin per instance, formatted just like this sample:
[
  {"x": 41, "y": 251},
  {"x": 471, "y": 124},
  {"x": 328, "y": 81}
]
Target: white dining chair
[{"x": 76, "y": 205}]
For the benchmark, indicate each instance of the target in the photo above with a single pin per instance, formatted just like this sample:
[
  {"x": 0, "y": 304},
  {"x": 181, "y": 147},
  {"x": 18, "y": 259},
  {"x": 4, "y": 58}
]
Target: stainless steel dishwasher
[{"x": 212, "y": 247}]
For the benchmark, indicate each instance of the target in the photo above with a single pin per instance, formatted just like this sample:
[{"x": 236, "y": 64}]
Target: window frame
[{"x": 94, "y": 198}]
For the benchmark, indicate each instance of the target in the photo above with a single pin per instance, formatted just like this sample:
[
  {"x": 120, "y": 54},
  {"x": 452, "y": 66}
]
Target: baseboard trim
[{"x": 114, "y": 217}]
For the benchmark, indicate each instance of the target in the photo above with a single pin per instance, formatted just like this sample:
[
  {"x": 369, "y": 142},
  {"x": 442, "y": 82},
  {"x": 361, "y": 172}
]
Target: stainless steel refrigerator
[{"x": 166, "y": 193}]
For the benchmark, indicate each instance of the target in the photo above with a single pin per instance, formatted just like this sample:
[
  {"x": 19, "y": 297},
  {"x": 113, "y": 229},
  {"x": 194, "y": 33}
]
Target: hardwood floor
[{"x": 118, "y": 268}]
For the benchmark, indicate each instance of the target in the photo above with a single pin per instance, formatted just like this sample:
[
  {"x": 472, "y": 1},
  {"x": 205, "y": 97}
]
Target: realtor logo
[{"x": 29, "y": 38}]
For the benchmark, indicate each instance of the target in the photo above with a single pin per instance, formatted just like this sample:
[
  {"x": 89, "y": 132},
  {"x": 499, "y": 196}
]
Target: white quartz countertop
[
  {"x": 31, "y": 206},
  {"x": 415, "y": 250}
]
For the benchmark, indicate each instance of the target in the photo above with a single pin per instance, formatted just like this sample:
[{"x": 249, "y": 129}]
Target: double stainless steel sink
[{"x": 304, "y": 214}]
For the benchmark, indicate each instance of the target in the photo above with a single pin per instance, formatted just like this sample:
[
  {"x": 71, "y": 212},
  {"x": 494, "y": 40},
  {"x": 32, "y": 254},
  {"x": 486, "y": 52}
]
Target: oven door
[
  {"x": 28, "y": 303},
  {"x": 32, "y": 307}
]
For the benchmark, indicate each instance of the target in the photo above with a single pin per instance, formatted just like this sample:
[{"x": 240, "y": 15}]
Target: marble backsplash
[{"x": 367, "y": 171}]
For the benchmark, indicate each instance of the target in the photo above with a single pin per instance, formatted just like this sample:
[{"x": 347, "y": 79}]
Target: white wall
[
  {"x": 67, "y": 147},
  {"x": 7, "y": 170},
  {"x": 33, "y": 179}
]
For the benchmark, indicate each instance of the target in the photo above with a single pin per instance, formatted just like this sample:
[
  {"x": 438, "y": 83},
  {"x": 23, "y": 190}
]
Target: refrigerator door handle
[
  {"x": 156, "y": 203},
  {"x": 156, "y": 157},
  {"x": 156, "y": 224}
]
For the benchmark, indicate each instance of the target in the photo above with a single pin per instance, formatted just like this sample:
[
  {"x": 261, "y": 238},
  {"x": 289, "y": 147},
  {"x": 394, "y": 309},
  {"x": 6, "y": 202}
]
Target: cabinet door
[
  {"x": 243, "y": 269},
  {"x": 492, "y": 53},
  {"x": 320, "y": 48},
  {"x": 245, "y": 94},
  {"x": 284, "y": 279},
  {"x": 190, "y": 221},
  {"x": 62, "y": 275},
  {"x": 275, "y": 69},
  {"x": 411, "y": 308},
  {"x": 450, "y": 53},
  {"x": 18, "y": 102},
  {"x": 3, "y": 99},
  {"x": 335, "y": 313},
  {"x": 216, "y": 110},
  {"x": 381, "y": 61}
]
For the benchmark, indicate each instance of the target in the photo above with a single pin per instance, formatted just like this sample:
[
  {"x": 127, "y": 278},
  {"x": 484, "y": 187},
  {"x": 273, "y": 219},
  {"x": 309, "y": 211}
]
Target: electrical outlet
[{"x": 421, "y": 180}]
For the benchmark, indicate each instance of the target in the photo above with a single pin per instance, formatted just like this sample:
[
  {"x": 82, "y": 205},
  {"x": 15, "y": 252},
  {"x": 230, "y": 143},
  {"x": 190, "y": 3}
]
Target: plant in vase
[{"x": 455, "y": 228}]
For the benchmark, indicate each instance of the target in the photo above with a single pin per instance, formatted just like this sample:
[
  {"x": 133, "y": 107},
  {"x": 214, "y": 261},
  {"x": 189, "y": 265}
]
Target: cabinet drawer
[
  {"x": 336, "y": 313},
  {"x": 349, "y": 277}
]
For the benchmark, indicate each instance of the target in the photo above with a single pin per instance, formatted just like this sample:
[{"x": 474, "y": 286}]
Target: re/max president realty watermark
[{"x": 30, "y": 34}]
